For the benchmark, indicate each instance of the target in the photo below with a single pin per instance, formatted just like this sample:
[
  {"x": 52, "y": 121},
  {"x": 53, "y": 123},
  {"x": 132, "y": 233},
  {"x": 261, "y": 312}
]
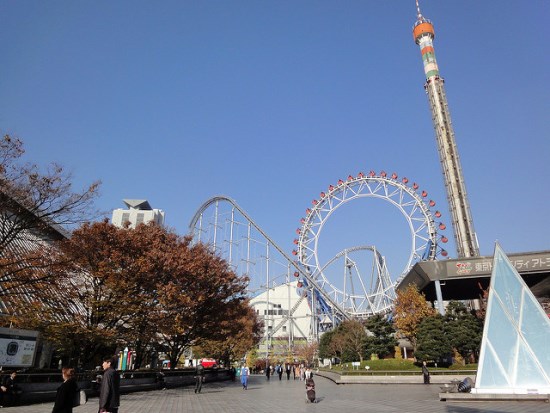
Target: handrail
[{"x": 400, "y": 372}]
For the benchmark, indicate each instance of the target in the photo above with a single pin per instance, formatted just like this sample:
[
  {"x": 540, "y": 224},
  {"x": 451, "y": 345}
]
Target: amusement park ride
[{"x": 234, "y": 235}]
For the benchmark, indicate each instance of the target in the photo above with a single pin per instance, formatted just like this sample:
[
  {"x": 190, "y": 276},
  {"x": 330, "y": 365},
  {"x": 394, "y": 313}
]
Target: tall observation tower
[{"x": 465, "y": 237}]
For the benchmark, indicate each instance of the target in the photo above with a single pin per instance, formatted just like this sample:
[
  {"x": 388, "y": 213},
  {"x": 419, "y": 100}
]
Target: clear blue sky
[{"x": 269, "y": 102}]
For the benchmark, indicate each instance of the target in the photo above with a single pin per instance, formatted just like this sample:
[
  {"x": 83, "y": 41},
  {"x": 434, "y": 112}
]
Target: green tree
[
  {"x": 410, "y": 308},
  {"x": 252, "y": 358},
  {"x": 380, "y": 336},
  {"x": 326, "y": 351},
  {"x": 432, "y": 341},
  {"x": 464, "y": 330}
]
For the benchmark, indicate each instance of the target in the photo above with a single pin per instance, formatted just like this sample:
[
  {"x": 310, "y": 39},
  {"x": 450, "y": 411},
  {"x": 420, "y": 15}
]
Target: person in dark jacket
[
  {"x": 425, "y": 373},
  {"x": 10, "y": 390},
  {"x": 109, "y": 393},
  {"x": 199, "y": 377},
  {"x": 310, "y": 391},
  {"x": 66, "y": 393}
]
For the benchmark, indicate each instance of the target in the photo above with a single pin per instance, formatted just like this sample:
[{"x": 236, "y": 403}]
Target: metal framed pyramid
[{"x": 514, "y": 355}]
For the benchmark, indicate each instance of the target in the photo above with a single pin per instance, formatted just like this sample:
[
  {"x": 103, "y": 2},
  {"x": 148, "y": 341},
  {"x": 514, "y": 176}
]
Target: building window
[
  {"x": 139, "y": 219},
  {"x": 284, "y": 329},
  {"x": 125, "y": 217}
]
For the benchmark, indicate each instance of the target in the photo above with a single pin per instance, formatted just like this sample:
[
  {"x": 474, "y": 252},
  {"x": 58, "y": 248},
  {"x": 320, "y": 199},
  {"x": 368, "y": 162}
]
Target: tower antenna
[{"x": 418, "y": 14}]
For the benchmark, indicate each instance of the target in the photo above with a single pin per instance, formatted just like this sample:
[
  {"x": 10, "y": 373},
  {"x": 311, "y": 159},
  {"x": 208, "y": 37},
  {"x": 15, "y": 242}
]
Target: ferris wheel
[{"x": 409, "y": 201}]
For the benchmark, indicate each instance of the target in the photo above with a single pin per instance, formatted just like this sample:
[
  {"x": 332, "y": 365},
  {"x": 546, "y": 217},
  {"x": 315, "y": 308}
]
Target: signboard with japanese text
[
  {"x": 484, "y": 265},
  {"x": 17, "y": 347}
]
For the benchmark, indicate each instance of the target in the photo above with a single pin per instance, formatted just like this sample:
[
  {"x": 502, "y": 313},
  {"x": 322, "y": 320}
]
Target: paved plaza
[{"x": 289, "y": 396}]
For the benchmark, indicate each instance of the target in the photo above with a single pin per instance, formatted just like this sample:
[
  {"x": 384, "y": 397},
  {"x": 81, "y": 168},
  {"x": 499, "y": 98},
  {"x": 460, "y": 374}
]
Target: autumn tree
[
  {"x": 347, "y": 341},
  {"x": 140, "y": 287},
  {"x": 35, "y": 207},
  {"x": 355, "y": 338},
  {"x": 332, "y": 344},
  {"x": 200, "y": 293},
  {"x": 410, "y": 308},
  {"x": 252, "y": 357},
  {"x": 307, "y": 352},
  {"x": 107, "y": 278},
  {"x": 239, "y": 332},
  {"x": 337, "y": 346}
]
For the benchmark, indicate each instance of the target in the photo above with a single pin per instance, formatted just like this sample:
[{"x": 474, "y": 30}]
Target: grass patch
[
  {"x": 378, "y": 365},
  {"x": 394, "y": 365}
]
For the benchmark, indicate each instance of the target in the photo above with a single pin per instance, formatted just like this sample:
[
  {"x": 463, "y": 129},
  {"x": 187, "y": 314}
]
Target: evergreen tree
[
  {"x": 432, "y": 341},
  {"x": 463, "y": 329},
  {"x": 325, "y": 349},
  {"x": 381, "y": 336}
]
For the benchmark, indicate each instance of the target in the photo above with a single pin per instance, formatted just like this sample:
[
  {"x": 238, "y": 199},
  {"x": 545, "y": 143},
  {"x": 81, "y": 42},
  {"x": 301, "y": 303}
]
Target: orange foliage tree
[
  {"x": 142, "y": 288},
  {"x": 239, "y": 333},
  {"x": 410, "y": 308},
  {"x": 198, "y": 298}
]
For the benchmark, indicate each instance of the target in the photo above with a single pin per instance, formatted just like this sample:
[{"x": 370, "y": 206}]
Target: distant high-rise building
[
  {"x": 463, "y": 225},
  {"x": 139, "y": 211}
]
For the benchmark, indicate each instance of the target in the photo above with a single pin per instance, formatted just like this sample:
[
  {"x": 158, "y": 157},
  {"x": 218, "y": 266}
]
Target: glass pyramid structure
[{"x": 515, "y": 356}]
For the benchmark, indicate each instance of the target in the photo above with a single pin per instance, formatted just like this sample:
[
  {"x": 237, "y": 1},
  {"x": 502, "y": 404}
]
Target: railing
[
  {"x": 401, "y": 372},
  {"x": 42, "y": 387}
]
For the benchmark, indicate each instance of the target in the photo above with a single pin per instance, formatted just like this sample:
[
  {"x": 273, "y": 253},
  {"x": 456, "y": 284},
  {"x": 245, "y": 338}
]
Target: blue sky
[{"x": 269, "y": 102}]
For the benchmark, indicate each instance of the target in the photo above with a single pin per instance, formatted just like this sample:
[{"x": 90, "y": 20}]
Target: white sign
[{"x": 17, "y": 347}]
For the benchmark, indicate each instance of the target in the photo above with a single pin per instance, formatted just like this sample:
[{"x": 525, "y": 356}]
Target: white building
[
  {"x": 139, "y": 211},
  {"x": 286, "y": 315}
]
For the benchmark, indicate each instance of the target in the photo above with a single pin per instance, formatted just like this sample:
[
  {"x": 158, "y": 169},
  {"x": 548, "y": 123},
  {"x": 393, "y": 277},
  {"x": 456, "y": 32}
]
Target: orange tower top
[{"x": 422, "y": 26}]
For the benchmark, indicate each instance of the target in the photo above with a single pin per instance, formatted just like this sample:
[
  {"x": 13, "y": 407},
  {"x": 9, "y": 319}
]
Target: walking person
[
  {"x": 425, "y": 373},
  {"x": 245, "y": 372},
  {"x": 267, "y": 371},
  {"x": 199, "y": 377},
  {"x": 280, "y": 371},
  {"x": 109, "y": 393},
  {"x": 66, "y": 393},
  {"x": 287, "y": 371}
]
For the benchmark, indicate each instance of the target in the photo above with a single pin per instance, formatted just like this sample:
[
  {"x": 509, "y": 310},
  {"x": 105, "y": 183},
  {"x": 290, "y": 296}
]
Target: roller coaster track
[{"x": 195, "y": 231}]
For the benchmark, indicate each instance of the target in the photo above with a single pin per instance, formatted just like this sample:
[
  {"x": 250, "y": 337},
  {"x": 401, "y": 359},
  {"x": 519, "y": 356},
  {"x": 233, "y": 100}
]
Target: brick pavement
[{"x": 281, "y": 396}]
